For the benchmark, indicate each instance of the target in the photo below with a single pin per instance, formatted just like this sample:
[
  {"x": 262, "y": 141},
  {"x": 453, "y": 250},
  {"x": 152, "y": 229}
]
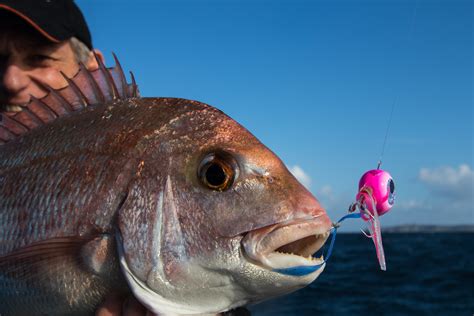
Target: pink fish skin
[{"x": 168, "y": 199}]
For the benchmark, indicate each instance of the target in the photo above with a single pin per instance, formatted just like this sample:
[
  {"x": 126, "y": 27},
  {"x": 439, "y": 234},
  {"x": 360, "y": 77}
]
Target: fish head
[{"x": 214, "y": 220}]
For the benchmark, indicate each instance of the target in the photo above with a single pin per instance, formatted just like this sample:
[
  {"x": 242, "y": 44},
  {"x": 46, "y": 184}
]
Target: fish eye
[
  {"x": 217, "y": 171},
  {"x": 391, "y": 186}
]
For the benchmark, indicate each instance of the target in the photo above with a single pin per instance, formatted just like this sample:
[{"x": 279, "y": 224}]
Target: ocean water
[{"x": 427, "y": 274}]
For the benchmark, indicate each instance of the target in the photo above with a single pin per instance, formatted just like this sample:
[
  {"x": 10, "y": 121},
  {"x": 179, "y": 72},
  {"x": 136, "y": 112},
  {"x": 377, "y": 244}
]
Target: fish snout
[
  {"x": 306, "y": 207},
  {"x": 289, "y": 245}
]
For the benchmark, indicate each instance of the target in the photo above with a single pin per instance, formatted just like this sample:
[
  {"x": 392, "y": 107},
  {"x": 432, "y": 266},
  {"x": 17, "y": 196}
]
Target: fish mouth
[{"x": 288, "y": 248}]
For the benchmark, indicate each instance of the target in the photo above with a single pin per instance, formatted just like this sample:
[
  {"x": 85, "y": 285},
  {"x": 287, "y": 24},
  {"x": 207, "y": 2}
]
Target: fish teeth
[
  {"x": 278, "y": 260},
  {"x": 321, "y": 258}
]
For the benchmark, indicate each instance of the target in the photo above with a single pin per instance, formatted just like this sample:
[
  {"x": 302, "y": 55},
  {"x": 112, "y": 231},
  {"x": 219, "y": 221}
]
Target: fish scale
[
  {"x": 66, "y": 195},
  {"x": 62, "y": 200},
  {"x": 54, "y": 194}
]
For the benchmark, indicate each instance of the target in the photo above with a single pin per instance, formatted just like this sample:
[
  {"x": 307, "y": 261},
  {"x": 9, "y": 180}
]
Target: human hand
[{"x": 115, "y": 305}]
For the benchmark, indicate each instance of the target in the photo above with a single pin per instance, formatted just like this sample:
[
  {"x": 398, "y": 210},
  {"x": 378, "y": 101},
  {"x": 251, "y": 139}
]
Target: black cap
[{"x": 57, "y": 20}]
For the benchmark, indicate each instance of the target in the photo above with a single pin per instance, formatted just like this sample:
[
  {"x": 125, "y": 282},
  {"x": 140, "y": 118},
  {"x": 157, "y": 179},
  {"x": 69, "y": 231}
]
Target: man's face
[{"x": 25, "y": 56}]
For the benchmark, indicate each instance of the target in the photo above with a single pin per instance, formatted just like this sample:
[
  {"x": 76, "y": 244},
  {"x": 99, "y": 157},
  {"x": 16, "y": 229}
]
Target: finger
[
  {"x": 239, "y": 311},
  {"x": 112, "y": 306},
  {"x": 132, "y": 307}
]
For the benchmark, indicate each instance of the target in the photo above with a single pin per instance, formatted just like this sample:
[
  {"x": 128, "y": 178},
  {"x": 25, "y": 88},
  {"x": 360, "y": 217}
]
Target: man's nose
[{"x": 13, "y": 80}]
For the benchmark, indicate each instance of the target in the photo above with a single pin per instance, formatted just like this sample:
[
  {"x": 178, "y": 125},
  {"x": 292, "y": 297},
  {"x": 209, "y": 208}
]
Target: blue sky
[{"x": 315, "y": 82}]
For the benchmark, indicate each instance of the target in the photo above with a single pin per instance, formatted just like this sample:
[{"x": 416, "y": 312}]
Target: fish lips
[{"x": 287, "y": 247}]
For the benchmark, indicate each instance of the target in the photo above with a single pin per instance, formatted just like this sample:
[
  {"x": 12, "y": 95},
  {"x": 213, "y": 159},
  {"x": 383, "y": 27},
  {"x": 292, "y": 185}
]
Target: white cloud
[
  {"x": 413, "y": 205},
  {"x": 301, "y": 175},
  {"x": 449, "y": 198},
  {"x": 336, "y": 203},
  {"x": 448, "y": 182},
  {"x": 326, "y": 191},
  {"x": 450, "y": 195}
]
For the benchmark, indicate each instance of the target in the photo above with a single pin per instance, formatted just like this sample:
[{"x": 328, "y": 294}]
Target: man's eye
[
  {"x": 3, "y": 58},
  {"x": 38, "y": 58}
]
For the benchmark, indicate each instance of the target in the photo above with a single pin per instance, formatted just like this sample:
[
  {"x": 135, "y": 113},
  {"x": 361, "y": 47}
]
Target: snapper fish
[{"x": 167, "y": 199}]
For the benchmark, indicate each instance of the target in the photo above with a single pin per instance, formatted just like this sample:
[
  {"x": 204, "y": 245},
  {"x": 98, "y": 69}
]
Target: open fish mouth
[{"x": 288, "y": 248}]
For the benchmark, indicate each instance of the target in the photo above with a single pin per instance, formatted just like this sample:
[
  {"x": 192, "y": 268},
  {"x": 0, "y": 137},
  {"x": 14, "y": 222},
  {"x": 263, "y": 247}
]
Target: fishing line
[
  {"x": 376, "y": 182},
  {"x": 386, "y": 132},
  {"x": 409, "y": 38},
  {"x": 334, "y": 231}
]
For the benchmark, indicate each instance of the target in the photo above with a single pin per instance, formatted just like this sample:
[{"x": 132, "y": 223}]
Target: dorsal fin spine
[
  {"x": 95, "y": 87},
  {"x": 108, "y": 77},
  {"x": 123, "y": 80},
  {"x": 63, "y": 102},
  {"x": 13, "y": 126},
  {"x": 134, "y": 85},
  {"x": 33, "y": 116},
  {"x": 84, "y": 89},
  {"x": 8, "y": 132},
  {"x": 77, "y": 91},
  {"x": 13, "y": 118},
  {"x": 44, "y": 106}
]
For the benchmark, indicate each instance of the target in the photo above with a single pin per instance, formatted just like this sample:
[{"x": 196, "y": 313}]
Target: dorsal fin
[{"x": 86, "y": 88}]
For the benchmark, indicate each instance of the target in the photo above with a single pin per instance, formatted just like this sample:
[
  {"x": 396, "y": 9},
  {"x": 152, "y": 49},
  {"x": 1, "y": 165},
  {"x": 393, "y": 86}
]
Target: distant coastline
[{"x": 413, "y": 228}]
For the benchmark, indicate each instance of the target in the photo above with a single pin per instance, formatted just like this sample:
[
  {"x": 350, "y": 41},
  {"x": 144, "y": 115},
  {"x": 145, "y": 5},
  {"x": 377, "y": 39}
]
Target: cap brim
[{"x": 30, "y": 21}]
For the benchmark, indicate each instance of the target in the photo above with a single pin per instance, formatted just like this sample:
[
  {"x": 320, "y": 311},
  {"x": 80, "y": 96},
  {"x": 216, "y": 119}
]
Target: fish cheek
[
  {"x": 135, "y": 222},
  {"x": 152, "y": 235},
  {"x": 257, "y": 201},
  {"x": 235, "y": 211}
]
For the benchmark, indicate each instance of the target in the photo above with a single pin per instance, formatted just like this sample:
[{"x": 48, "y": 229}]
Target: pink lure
[{"x": 375, "y": 198}]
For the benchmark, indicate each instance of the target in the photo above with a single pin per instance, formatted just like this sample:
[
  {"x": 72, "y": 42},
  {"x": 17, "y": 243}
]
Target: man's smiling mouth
[{"x": 13, "y": 107}]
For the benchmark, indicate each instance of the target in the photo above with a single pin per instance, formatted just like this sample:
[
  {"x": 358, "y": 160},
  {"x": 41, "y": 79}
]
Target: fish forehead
[{"x": 197, "y": 125}]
